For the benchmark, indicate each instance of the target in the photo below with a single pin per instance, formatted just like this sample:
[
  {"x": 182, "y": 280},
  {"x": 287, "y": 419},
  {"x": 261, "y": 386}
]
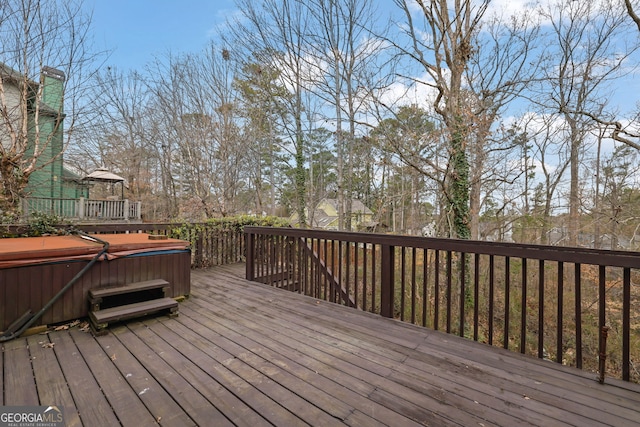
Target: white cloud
[
  {"x": 512, "y": 7},
  {"x": 420, "y": 93}
]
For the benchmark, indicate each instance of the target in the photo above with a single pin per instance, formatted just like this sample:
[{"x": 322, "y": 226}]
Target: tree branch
[
  {"x": 632, "y": 14},
  {"x": 617, "y": 133}
]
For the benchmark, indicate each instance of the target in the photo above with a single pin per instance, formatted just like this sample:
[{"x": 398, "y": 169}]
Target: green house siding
[
  {"x": 47, "y": 181},
  {"x": 72, "y": 187}
]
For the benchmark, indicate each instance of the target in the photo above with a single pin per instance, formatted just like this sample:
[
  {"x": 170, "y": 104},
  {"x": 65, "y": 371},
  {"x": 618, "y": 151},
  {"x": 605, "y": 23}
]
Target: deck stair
[{"x": 117, "y": 303}]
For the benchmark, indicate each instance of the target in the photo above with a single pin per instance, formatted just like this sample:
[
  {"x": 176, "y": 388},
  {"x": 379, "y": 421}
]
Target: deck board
[
  {"x": 47, "y": 372},
  {"x": 296, "y": 366},
  {"x": 158, "y": 401},
  {"x": 121, "y": 397},
  {"x": 218, "y": 396},
  {"x": 286, "y": 330},
  {"x": 218, "y": 364},
  {"x": 245, "y": 354},
  {"x": 186, "y": 395},
  {"x": 19, "y": 384},
  {"x": 90, "y": 402}
]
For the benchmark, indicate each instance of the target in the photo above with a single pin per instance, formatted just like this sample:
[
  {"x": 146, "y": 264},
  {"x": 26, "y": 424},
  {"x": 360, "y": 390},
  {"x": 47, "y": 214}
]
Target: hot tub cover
[{"x": 35, "y": 250}]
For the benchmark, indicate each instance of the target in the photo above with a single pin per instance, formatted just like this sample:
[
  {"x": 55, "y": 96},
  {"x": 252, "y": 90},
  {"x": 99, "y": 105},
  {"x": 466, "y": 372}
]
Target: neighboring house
[
  {"x": 325, "y": 215},
  {"x": 51, "y": 179},
  {"x": 53, "y": 188},
  {"x": 495, "y": 231}
]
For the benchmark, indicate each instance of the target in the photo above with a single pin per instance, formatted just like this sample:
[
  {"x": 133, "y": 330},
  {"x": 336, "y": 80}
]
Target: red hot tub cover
[{"x": 21, "y": 251}]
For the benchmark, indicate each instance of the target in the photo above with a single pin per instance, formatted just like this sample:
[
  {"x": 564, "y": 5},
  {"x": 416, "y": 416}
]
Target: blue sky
[{"x": 137, "y": 30}]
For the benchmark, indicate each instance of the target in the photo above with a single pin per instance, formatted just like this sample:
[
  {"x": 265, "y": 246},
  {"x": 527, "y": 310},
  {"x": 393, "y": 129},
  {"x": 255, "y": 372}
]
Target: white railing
[{"x": 84, "y": 209}]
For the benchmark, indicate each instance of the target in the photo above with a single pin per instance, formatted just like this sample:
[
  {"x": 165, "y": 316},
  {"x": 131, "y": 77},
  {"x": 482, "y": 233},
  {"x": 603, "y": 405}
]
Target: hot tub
[{"x": 34, "y": 269}]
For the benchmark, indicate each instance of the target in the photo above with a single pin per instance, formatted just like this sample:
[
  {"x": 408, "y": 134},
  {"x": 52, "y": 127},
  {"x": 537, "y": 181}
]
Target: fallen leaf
[
  {"x": 61, "y": 328},
  {"x": 48, "y": 345},
  {"x": 113, "y": 357}
]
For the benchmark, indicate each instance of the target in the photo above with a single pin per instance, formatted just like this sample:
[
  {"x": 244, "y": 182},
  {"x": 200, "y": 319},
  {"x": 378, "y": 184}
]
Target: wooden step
[
  {"x": 101, "y": 318},
  {"x": 98, "y": 294}
]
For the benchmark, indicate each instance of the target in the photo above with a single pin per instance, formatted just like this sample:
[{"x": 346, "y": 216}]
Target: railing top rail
[
  {"x": 610, "y": 258},
  {"x": 106, "y": 228}
]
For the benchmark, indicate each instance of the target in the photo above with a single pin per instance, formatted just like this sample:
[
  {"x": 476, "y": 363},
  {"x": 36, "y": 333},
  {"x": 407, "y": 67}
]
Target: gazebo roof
[{"x": 102, "y": 174}]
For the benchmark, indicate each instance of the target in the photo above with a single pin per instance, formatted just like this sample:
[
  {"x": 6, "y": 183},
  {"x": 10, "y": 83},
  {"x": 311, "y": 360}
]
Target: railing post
[
  {"x": 386, "y": 280},
  {"x": 199, "y": 257},
  {"x": 80, "y": 208},
  {"x": 126, "y": 209},
  {"x": 25, "y": 208},
  {"x": 250, "y": 254}
]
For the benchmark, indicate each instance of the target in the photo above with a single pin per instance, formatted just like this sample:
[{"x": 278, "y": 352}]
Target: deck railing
[
  {"x": 83, "y": 209},
  {"x": 555, "y": 303},
  {"x": 210, "y": 245}
]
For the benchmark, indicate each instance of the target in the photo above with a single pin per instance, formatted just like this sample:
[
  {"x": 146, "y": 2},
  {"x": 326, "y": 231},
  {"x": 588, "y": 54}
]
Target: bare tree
[
  {"x": 445, "y": 54},
  {"x": 592, "y": 49},
  {"x": 345, "y": 54},
  {"x": 476, "y": 64},
  {"x": 504, "y": 65},
  {"x": 412, "y": 139},
  {"x": 619, "y": 173},
  {"x": 552, "y": 159},
  {"x": 120, "y": 133},
  {"x": 47, "y": 61},
  {"x": 279, "y": 39},
  {"x": 199, "y": 130}
]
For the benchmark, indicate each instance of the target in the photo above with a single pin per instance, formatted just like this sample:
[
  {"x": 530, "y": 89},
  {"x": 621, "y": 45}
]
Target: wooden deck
[{"x": 246, "y": 354}]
